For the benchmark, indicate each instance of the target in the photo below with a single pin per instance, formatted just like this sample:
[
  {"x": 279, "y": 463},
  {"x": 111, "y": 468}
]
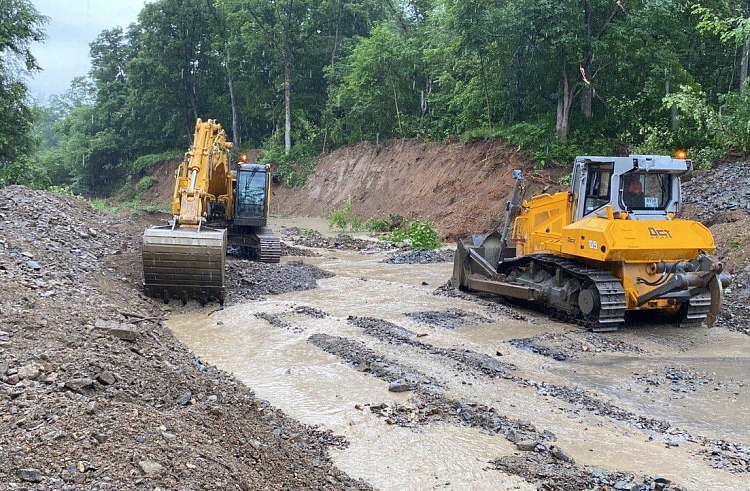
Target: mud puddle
[{"x": 266, "y": 344}]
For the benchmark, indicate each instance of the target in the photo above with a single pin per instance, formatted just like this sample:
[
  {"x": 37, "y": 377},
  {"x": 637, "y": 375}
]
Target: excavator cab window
[
  {"x": 597, "y": 186},
  {"x": 251, "y": 194}
]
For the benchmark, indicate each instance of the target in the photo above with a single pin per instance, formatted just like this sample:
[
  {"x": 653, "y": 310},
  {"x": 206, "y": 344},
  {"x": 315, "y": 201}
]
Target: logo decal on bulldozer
[{"x": 659, "y": 232}]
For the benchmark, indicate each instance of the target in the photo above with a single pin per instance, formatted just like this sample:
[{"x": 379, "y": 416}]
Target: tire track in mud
[
  {"x": 719, "y": 453},
  {"x": 539, "y": 461}
]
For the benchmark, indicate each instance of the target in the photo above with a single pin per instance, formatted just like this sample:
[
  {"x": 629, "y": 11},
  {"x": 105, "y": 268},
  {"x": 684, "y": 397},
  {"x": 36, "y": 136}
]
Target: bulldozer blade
[{"x": 184, "y": 263}]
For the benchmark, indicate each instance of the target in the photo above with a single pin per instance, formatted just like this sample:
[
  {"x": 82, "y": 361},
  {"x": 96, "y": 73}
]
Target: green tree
[{"x": 20, "y": 25}]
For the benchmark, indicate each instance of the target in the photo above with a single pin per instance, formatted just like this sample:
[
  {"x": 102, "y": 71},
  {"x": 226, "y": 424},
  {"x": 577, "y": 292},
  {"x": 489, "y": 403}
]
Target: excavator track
[
  {"x": 610, "y": 294},
  {"x": 269, "y": 246}
]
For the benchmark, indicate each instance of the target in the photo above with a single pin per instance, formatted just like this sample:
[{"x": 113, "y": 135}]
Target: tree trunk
[
  {"x": 673, "y": 112},
  {"x": 745, "y": 55},
  {"x": 398, "y": 113},
  {"x": 564, "y": 103},
  {"x": 486, "y": 93},
  {"x": 336, "y": 36},
  {"x": 287, "y": 103},
  {"x": 587, "y": 92},
  {"x": 236, "y": 137},
  {"x": 743, "y": 65}
]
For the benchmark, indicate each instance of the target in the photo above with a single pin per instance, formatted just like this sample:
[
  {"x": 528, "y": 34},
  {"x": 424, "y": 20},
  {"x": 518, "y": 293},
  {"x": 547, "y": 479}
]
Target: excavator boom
[{"x": 185, "y": 259}]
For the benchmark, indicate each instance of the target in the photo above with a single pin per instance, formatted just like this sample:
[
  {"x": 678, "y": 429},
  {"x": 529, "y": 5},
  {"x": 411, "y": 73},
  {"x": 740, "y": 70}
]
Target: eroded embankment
[
  {"x": 95, "y": 393},
  {"x": 463, "y": 186}
]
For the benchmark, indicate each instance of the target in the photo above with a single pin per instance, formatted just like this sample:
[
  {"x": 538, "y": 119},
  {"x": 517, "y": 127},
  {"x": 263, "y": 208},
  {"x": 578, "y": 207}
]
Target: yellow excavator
[
  {"x": 609, "y": 246},
  {"x": 212, "y": 205}
]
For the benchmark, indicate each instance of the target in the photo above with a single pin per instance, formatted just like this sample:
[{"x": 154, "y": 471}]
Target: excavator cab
[{"x": 251, "y": 195}]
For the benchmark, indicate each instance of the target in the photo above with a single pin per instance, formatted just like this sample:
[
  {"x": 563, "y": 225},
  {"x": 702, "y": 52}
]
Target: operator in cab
[{"x": 633, "y": 197}]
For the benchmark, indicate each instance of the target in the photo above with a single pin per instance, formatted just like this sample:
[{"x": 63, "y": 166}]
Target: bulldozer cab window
[
  {"x": 597, "y": 187},
  {"x": 251, "y": 194},
  {"x": 641, "y": 191}
]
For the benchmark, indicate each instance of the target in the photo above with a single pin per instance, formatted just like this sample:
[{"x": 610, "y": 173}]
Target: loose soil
[{"x": 97, "y": 394}]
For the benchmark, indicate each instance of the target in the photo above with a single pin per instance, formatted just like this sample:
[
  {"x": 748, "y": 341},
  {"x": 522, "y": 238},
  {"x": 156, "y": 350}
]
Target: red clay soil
[
  {"x": 462, "y": 186},
  {"x": 161, "y": 192}
]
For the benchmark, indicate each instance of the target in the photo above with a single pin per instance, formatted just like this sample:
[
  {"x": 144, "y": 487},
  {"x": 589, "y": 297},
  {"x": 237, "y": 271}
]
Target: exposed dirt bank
[
  {"x": 95, "y": 393},
  {"x": 463, "y": 186}
]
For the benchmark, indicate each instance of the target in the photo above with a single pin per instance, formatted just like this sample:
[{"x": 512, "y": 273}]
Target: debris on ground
[
  {"x": 447, "y": 319},
  {"x": 96, "y": 393},
  {"x": 420, "y": 257},
  {"x": 253, "y": 280}
]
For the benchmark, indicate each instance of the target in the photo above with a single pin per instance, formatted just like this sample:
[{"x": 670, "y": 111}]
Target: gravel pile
[
  {"x": 447, "y": 319},
  {"x": 95, "y": 393},
  {"x": 343, "y": 242},
  {"x": 420, "y": 257},
  {"x": 735, "y": 313},
  {"x": 723, "y": 189},
  {"x": 252, "y": 280}
]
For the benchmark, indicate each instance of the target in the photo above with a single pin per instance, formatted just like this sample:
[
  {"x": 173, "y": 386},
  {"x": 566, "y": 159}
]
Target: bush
[
  {"x": 24, "y": 171},
  {"x": 374, "y": 225},
  {"x": 145, "y": 184},
  {"x": 418, "y": 234},
  {"x": 344, "y": 218}
]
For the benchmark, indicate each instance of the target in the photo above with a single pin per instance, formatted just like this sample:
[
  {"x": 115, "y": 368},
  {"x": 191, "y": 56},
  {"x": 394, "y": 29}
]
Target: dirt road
[{"x": 443, "y": 391}]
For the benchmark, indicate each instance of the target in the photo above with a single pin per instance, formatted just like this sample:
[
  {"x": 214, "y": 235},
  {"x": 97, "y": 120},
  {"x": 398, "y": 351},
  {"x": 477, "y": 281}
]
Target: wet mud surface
[
  {"x": 567, "y": 408},
  {"x": 447, "y": 319}
]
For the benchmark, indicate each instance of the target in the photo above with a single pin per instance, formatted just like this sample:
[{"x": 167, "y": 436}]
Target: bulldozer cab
[
  {"x": 251, "y": 195},
  {"x": 642, "y": 187}
]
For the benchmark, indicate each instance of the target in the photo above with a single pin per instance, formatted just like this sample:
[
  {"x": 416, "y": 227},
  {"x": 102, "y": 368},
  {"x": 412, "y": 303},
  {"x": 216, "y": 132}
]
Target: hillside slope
[{"x": 463, "y": 186}]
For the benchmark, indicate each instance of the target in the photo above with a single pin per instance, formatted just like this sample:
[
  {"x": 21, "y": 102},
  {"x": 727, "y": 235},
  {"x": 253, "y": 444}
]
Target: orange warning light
[{"x": 681, "y": 154}]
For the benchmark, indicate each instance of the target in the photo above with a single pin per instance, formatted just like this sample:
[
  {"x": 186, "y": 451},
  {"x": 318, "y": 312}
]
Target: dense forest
[{"x": 301, "y": 77}]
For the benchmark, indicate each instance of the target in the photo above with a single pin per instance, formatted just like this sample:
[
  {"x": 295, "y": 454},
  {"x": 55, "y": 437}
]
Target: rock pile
[
  {"x": 95, "y": 393},
  {"x": 420, "y": 257},
  {"x": 726, "y": 188}
]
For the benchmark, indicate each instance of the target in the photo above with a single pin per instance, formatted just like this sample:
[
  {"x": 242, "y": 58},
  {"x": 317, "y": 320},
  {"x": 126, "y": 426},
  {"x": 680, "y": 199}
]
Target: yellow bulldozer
[
  {"x": 609, "y": 246},
  {"x": 212, "y": 205}
]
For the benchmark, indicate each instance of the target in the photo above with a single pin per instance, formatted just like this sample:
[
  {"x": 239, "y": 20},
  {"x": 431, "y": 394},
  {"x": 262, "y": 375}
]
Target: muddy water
[{"x": 317, "y": 388}]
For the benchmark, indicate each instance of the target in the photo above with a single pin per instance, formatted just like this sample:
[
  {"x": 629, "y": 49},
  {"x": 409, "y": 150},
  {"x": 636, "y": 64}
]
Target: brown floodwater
[{"x": 316, "y": 388}]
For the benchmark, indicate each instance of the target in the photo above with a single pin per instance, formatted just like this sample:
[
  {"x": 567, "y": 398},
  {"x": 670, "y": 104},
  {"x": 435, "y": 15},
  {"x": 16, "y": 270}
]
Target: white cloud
[{"x": 72, "y": 26}]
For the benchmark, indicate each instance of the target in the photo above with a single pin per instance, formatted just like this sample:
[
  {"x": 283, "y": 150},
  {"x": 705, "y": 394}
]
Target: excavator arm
[{"x": 186, "y": 259}]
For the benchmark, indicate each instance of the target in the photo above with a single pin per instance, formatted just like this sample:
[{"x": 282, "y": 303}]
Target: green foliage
[
  {"x": 23, "y": 171},
  {"x": 294, "y": 168},
  {"x": 148, "y": 160},
  {"x": 145, "y": 183},
  {"x": 377, "y": 226},
  {"x": 735, "y": 244},
  {"x": 420, "y": 235},
  {"x": 20, "y": 26},
  {"x": 344, "y": 217},
  {"x": 100, "y": 204},
  {"x": 555, "y": 79}
]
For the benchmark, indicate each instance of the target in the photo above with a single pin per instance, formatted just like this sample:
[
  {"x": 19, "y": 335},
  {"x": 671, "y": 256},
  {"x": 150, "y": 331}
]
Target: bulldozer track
[{"x": 611, "y": 293}]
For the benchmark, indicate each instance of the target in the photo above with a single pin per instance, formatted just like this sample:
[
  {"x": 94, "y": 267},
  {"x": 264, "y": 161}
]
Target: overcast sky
[{"x": 73, "y": 24}]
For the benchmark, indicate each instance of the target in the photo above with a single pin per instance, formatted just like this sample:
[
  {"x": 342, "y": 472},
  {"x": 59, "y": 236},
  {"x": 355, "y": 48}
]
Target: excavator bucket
[{"x": 184, "y": 263}]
